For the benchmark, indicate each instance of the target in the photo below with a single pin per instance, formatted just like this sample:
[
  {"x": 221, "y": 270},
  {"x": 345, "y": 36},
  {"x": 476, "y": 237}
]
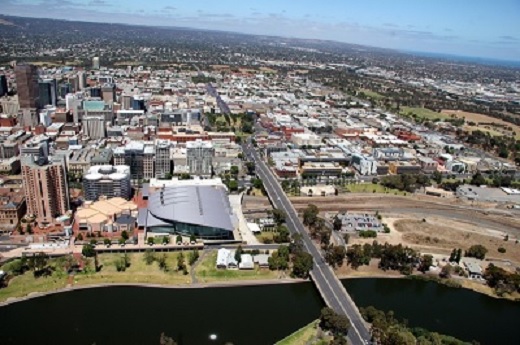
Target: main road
[{"x": 330, "y": 287}]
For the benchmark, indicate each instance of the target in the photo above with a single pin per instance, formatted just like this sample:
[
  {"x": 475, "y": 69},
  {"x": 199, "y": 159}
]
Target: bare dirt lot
[
  {"x": 440, "y": 235},
  {"x": 481, "y": 118}
]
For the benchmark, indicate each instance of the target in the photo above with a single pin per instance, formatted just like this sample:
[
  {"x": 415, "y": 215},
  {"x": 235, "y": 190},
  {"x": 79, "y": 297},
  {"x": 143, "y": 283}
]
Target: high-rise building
[
  {"x": 74, "y": 83},
  {"x": 107, "y": 180},
  {"x": 46, "y": 189},
  {"x": 199, "y": 155},
  {"x": 108, "y": 93},
  {"x": 138, "y": 103},
  {"x": 82, "y": 80},
  {"x": 162, "y": 158},
  {"x": 139, "y": 156},
  {"x": 45, "y": 94},
  {"x": 65, "y": 89},
  {"x": 93, "y": 126},
  {"x": 95, "y": 92},
  {"x": 27, "y": 85},
  {"x": 95, "y": 62},
  {"x": 3, "y": 85}
]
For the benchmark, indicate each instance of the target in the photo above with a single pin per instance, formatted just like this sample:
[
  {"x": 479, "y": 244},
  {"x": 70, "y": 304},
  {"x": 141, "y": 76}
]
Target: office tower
[
  {"x": 95, "y": 62},
  {"x": 3, "y": 85},
  {"x": 108, "y": 93},
  {"x": 46, "y": 189},
  {"x": 45, "y": 94},
  {"x": 93, "y": 126},
  {"x": 138, "y": 103},
  {"x": 199, "y": 156},
  {"x": 27, "y": 86},
  {"x": 95, "y": 92},
  {"x": 126, "y": 102},
  {"x": 74, "y": 83},
  {"x": 65, "y": 89},
  {"x": 82, "y": 80},
  {"x": 139, "y": 156},
  {"x": 107, "y": 180},
  {"x": 162, "y": 158}
]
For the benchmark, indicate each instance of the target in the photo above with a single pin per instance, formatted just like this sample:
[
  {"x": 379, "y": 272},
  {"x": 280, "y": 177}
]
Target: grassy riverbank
[{"x": 305, "y": 336}]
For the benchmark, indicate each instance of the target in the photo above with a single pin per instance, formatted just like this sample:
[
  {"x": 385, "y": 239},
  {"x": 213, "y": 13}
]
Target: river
[{"x": 244, "y": 315}]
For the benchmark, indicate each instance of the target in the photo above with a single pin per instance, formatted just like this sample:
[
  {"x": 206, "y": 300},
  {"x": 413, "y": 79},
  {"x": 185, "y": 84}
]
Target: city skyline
[{"x": 476, "y": 28}]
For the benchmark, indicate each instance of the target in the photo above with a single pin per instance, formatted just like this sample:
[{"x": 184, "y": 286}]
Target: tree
[
  {"x": 107, "y": 242},
  {"x": 437, "y": 177},
  {"x": 181, "y": 265},
  {"x": 337, "y": 223},
  {"x": 238, "y": 254},
  {"x": 163, "y": 265},
  {"x": 193, "y": 257},
  {"x": 166, "y": 239},
  {"x": 233, "y": 170},
  {"x": 336, "y": 323},
  {"x": 302, "y": 265},
  {"x": 278, "y": 216},
  {"x": 426, "y": 262},
  {"x": 178, "y": 239},
  {"x": 283, "y": 235},
  {"x": 478, "y": 179},
  {"x": 233, "y": 185},
  {"x": 150, "y": 240},
  {"x": 28, "y": 229},
  {"x": 80, "y": 237},
  {"x": 124, "y": 235},
  {"x": 310, "y": 215},
  {"x": 477, "y": 251},
  {"x": 88, "y": 250},
  {"x": 335, "y": 255},
  {"x": 149, "y": 256},
  {"x": 193, "y": 238}
]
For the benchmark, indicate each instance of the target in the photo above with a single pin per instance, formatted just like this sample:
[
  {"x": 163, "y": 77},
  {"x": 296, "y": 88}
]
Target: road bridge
[{"x": 330, "y": 287}]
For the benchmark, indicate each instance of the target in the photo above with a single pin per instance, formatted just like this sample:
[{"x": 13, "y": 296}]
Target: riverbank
[
  {"x": 32, "y": 295},
  {"x": 372, "y": 271},
  {"x": 306, "y": 335}
]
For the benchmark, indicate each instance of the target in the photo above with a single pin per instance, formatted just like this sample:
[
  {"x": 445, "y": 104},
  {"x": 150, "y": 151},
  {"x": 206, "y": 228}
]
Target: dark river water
[{"x": 244, "y": 315}]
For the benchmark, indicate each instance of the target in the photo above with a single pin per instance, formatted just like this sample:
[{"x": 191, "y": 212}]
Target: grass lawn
[
  {"x": 138, "y": 272},
  {"x": 266, "y": 235},
  {"x": 372, "y": 94},
  {"x": 424, "y": 113},
  {"x": 26, "y": 283},
  {"x": 304, "y": 335},
  {"x": 207, "y": 272},
  {"x": 371, "y": 187}
]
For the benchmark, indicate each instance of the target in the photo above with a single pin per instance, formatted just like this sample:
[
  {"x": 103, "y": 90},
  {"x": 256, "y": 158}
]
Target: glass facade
[{"x": 200, "y": 231}]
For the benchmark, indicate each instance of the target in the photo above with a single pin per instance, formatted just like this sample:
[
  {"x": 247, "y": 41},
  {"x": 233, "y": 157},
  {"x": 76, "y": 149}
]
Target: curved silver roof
[{"x": 201, "y": 205}]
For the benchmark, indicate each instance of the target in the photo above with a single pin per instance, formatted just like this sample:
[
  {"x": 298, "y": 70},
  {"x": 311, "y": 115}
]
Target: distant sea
[{"x": 470, "y": 59}]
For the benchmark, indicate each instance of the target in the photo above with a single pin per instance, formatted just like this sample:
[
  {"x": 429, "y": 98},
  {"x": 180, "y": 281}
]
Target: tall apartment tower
[
  {"x": 27, "y": 86},
  {"x": 199, "y": 156},
  {"x": 139, "y": 156},
  {"x": 3, "y": 85},
  {"x": 82, "y": 80},
  {"x": 162, "y": 158},
  {"x": 46, "y": 189}
]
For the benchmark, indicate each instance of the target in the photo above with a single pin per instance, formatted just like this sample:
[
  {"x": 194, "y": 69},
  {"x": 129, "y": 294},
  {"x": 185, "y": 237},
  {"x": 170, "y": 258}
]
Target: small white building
[
  {"x": 254, "y": 228},
  {"x": 246, "y": 262},
  {"x": 226, "y": 258}
]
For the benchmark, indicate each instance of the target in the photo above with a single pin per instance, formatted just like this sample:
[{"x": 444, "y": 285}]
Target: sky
[{"x": 477, "y": 28}]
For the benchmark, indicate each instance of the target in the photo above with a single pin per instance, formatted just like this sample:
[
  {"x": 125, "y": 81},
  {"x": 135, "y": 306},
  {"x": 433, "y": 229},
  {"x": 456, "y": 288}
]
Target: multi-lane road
[{"x": 330, "y": 287}]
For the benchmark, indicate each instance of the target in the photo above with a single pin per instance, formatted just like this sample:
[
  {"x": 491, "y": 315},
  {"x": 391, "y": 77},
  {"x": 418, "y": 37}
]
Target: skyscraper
[
  {"x": 47, "y": 92},
  {"x": 199, "y": 157},
  {"x": 162, "y": 158},
  {"x": 46, "y": 189},
  {"x": 27, "y": 85},
  {"x": 3, "y": 85}
]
